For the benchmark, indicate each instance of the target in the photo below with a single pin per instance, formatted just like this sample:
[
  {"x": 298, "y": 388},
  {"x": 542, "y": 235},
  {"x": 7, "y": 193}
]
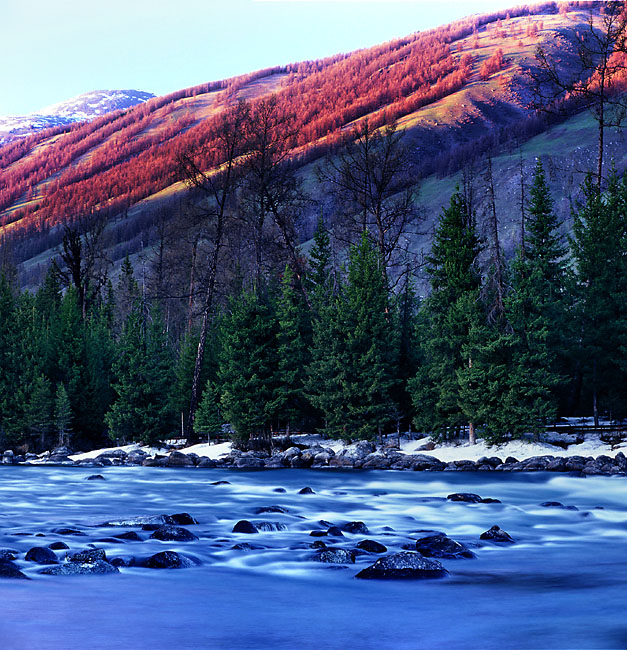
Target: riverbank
[{"x": 589, "y": 456}]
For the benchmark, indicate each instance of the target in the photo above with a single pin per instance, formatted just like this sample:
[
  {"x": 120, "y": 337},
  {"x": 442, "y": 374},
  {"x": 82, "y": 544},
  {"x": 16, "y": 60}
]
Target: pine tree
[
  {"x": 39, "y": 411},
  {"x": 370, "y": 343},
  {"x": 445, "y": 322},
  {"x": 248, "y": 367},
  {"x": 536, "y": 309},
  {"x": 62, "y": 415},
  {"x": 209, "y": 418},
  {"x": 292, "y": 353},
  {"x": 599, "y": 246}
]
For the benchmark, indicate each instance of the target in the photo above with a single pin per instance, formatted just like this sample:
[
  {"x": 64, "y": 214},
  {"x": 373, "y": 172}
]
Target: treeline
[{"x": 496, "y": 348}]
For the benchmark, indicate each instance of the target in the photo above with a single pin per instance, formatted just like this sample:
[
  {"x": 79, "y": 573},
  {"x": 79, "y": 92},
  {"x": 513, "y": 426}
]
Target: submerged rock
[
  {"x": 88, "y": 556},
  {"x": 10, "y": 570},
  {"x": 465, "y": 497},
  {"x": 68, "y": 531},
  {"x": 41, "y": 555},
  {"x": 372, "y": 546},
  {"x": 406, "y": 565},
  {"x": 306, "y": 490},
  {"x": 142, "y": 520},
  {"x": 95, "y": 477},
  {"x": 442, "y": 546},
  {"x": 58, "y": 546},
  {"x": 168, "y": 560},
  {"x": 269, "y": 526},
  {"x": 183, "y": 519},
  {"x": 335, "y": 556},
  {"x": 7, "y": 554},
  {"x": 100, "y": 567},
  {"x": 130, "y": 536},
  {"x": 173, "y": 534},
  {"x": 272, "y": 509},
  {"x": 355, "y": 528},
  {"x": 334, "y": 531},
  {"x": 496, "y": 534},
  {"x": 245, "y": 526}
]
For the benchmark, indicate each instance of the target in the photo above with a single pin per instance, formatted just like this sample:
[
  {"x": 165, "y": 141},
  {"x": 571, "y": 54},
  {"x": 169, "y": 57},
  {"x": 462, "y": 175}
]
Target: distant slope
[
  {"x": 434, "y": 83},
  {"x": 78, "y": 109}
]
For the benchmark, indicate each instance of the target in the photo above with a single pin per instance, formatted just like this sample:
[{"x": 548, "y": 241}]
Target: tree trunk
[
  {"x": 472, "y": 436},
  {"x": 595, "y": 407}
]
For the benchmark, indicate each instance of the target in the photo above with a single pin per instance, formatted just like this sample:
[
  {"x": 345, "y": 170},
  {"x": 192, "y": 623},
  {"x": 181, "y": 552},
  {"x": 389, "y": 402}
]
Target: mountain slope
[
  {"x": 78, "y": 109},
  {"x": 434, "y": 83}
]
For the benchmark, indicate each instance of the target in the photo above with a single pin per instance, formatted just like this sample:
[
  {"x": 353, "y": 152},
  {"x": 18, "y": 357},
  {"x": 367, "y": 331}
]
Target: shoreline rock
[{"x": 362, "y": 456}]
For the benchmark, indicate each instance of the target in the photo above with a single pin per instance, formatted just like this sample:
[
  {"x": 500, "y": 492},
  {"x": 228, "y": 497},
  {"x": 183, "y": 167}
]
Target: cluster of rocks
[
  {"x": 58, "y": 559},
  {"x": 363, "y": 455}
]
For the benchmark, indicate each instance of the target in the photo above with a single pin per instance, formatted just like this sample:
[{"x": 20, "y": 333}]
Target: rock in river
[
  {"x": 465, "y": 497},
  {"x": 89, "y": 555},
  {"x": 443, "y": 547},
  {"x": 9, "y": 570},
  {"x": 405, "y": 565},
  {"x": 173, "y": 534},
  {"x": 41, "y": 555},
  {"x": 336, "y": 556},
  {"x": 168, "y": 560},
  {"x": 496, "y": 534},
  {"x": 99, "y": 567},
  {"x": 245, "y": 526},
  {"x": 355, "y": 527},
  {"x": 372, "y": 546}
]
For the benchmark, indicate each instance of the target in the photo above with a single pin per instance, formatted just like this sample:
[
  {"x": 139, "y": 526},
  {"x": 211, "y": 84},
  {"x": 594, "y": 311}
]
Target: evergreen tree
[
  {"x": 209, "y": 418},
  {"x": 39, "y": 411},
  {"x": 537, "y": 313},
  {"x": 370, "y": 343},
  {"x": 62, "y": 415},
  {"x": 599, "y": 246},
  {"x": 248, "y": 366},
  {"x": 292, "y": 353},
  {"x": 350, "y": 376},
  {"x": 445, "y": 322}
]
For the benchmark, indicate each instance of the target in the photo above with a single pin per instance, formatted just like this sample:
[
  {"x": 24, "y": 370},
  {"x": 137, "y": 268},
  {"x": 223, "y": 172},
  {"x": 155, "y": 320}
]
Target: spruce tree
[
  {"x": 248, "y": 366},
  {"x": 209, "y": 420},
  {"x": 293, "y": 337},
  {"x": 370, "y": 344},
  {"x": 62, "y": 415},
  {"x": 599, "y": 246},
  {"x": 445, "y": 322},
  {"x": 39, "y": 411}
]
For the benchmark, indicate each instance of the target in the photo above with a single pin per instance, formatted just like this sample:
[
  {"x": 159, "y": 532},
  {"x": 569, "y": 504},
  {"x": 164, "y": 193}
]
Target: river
[{"x": 563, "y": 584}]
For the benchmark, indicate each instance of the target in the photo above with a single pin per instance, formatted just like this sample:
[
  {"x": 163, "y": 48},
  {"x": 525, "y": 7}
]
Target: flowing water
[{"x": 563, "y": 584}]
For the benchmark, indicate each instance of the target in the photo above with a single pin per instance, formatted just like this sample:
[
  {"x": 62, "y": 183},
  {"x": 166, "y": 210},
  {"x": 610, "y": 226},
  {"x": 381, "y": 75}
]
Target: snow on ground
[
  {"x": 447, "y": 451},
  {"x": 519, "y": 449}
]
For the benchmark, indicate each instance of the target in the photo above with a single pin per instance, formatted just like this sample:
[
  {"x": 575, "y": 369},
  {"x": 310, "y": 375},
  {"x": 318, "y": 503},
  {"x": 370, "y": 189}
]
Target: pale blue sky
[{"x": 51, "y": 50}]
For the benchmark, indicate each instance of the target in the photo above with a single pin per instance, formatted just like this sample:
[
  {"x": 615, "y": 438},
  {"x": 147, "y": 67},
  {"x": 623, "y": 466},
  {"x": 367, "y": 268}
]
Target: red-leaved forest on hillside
[{"x": 112, "y": 162}]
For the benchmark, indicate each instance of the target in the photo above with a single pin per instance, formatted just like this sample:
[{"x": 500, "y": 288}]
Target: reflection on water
[{"x": 562, "y": 585}]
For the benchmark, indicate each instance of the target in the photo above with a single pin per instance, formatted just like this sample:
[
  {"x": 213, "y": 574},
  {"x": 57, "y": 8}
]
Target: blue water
[{"x": 562, "y": 585}]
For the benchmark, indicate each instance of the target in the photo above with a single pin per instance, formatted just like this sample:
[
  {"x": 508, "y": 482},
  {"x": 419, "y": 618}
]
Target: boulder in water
[
  {"x": 168, "y": 560},
  {"x": 496, "y": 534},
  {"x": 10, "y": 570},
  {"x": 372, "y": 546},
  {"x": 173, "y": 534},
  {"x": 306, "y": 490},
  {"x": 41, "y": 555},
  {"x": 130, "y": 536},
  {"x": 444, "y": 547},
  {"x": 88, "y": 556},
  {"x": 7, "y": 554},
  {"x": 465, "y": 497},
  {"x": 245, "y": 526},
  {"x": 335, "y": 556},
  {"x": 100, "y": 567},
  {"x": 406, "y": 565},
  {"x": 183, "y": 519},
  {"x": 355, "y": 528},
  {"x": 95, "y": 477}
]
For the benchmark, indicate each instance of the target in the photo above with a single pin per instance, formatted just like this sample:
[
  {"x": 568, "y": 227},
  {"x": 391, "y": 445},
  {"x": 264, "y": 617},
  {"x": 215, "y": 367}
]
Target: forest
[
  {"x": 109, "y": 164},
  {"x": 336, "y": 340}
]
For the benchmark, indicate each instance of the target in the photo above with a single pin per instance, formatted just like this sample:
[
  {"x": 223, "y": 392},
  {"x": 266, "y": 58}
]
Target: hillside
[
  {"x": 78, "y": 109},
  {"x": 434, "y": 83}
]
